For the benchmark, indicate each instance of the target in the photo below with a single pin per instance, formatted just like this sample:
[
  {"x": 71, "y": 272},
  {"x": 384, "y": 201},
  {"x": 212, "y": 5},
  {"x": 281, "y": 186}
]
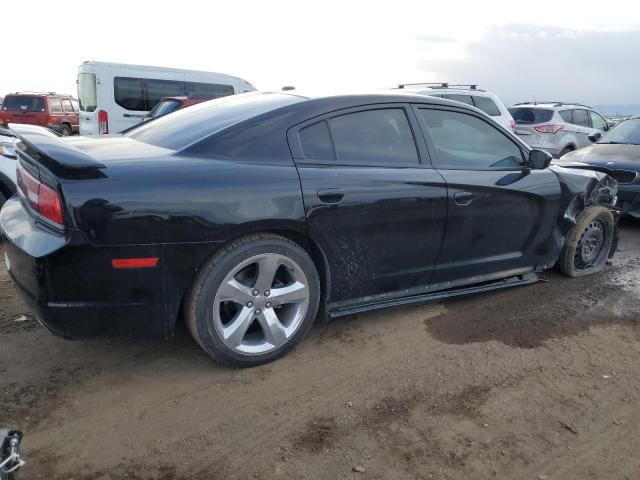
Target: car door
[
  {"x": 373, "y": 203},
  {"x": 582, "y": 127},
  {"x": 598, "y": 124},
  {"x": 501, "y": 213},
  {"x": 69, "y": 115}
]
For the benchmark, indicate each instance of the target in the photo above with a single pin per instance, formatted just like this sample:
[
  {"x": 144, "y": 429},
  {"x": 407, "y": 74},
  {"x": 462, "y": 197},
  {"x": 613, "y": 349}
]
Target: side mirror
[
  {"x": 539, "y": 159},
  {"x": 594, "y": 137}
]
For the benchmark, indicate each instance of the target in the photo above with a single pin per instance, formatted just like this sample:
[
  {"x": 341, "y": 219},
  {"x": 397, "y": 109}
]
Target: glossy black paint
[
  {"x": 379, "y": 235},
  {"x": 617, "y": 161}
]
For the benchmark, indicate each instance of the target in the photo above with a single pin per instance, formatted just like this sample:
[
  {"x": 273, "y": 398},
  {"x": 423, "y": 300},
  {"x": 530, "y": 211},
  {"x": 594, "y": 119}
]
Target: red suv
[
  {"x": 171, "y": 104},
  {"x": 57, "y": 112}
]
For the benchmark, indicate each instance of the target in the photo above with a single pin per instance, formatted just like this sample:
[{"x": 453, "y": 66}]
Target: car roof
[
  {"x": 38, "y": 94},
  {"x": 549, "y": 104}
]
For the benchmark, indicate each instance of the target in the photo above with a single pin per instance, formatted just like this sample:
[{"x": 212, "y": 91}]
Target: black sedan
[
  {"x": 617, "y": 153},
  {"x": 255, "y": 214}
]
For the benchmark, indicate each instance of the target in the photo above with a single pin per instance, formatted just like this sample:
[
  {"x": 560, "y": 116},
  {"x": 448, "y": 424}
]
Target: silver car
[{"x": 557, "y": 127}]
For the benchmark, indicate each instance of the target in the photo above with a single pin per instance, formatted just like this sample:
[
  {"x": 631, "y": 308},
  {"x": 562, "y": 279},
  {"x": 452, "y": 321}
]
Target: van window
[
  {"x": 208, "y": 90},
  {"x": 129, "y": 93},
  {"x": 87, "y": 92},
  {"x": 25, "y": 103},
  {"x": 54, "y": 105},
  {"x": 156, "y": 90},
  {"x": 66, "y": 105}
]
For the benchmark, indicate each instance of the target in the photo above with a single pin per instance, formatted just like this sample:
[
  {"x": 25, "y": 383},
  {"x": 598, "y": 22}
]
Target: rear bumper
[{"x": 72, "y": 287}]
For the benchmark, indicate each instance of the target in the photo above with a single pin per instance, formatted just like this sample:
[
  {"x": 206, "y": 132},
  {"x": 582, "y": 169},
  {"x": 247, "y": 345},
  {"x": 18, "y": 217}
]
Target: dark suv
[{"x": 57, "y": 112}]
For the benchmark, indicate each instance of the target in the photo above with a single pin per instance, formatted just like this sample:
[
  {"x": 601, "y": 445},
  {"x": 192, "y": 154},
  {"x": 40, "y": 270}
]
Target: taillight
[
  {"x": 40, "y": 196},
  {"x": 103, "y": 122},
  {"x": 512, "y": 124},
  {"x": 549, "y": 128}
]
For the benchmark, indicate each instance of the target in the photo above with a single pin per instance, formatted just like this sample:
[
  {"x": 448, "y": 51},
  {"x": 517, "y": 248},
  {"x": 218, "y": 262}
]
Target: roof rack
[
  {"x": 470, "y": 86},
  {"x": 555, "y": 103}
]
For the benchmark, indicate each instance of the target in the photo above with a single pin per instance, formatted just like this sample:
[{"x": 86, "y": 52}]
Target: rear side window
[
  {"x": 487, "y": 105},
  {"x": 566, "y": 116},
  {"x": 54, "y": 105},
  {"x": 529, "y": 115},
  {"x": 467, "y": 142},
  {"x": 581, "y": 117},
  {"x": 460, "y": 98},
  {"x": 129, "y": 93},
  {"x": 87, "y": 92},
  {"x": 374, "y": 137},
  {"x": 66, "y": 105},
  {"x": 22, "y": 103},
  {"x": 316, "y": 142},
  {"x": 156, "y": 90},
  {"x": 208, "y": 90}
]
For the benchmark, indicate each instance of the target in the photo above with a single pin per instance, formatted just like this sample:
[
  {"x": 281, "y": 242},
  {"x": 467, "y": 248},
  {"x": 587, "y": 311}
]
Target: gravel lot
[{"x": 536, "y": 382}]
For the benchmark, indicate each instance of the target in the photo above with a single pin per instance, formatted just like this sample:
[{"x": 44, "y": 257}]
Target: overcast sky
[{"x": 585, "y": 51}]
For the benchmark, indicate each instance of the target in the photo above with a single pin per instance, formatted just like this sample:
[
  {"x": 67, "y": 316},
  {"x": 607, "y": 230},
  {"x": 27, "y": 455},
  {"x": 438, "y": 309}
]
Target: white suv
[
  {"x": 557, "y": 127},
  {"x": 488, "y": 102}
]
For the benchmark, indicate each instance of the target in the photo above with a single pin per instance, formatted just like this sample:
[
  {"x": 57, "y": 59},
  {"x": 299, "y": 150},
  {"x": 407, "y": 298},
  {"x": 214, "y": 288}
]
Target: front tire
[
  {"x": 565, "y": 151},
  {"x": 254, "y": 300},
  {"x": 588, "y": 243}
]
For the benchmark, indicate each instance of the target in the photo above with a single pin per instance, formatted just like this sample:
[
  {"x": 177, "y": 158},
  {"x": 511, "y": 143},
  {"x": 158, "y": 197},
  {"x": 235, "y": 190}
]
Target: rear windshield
[
  {"x": 87, "y": 92},
  {"x": 165, "y": 107},
  {"x": 23, "y": 103},
  {"x": 188, "y": 125},
  {"x": 527, "y": 115}
]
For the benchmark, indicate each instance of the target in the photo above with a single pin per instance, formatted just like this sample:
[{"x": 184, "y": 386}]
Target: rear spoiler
[{"x": 54, "y": 153}]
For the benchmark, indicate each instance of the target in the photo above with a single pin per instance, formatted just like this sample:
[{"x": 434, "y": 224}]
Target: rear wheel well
[{"x": 312, "y": 249}]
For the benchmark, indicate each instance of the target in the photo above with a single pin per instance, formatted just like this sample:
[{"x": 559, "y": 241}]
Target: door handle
[
  {"x": 463, "y": 198},
  {"x": 330, "y": 195}
]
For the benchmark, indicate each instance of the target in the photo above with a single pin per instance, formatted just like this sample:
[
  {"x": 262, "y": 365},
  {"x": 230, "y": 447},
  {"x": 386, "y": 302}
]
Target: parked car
[
  {"x": 50, "y": 110},
  {"x": 557, "y": 127},
  {"x": 8, "y": 162},
  {"x": 255, "y": 212},
  {"x": 488, "y": 102},
  {"x": 114, "y": 96},
  {"x": 171, "y": 104},
  {"x": 616, "y": 153}
]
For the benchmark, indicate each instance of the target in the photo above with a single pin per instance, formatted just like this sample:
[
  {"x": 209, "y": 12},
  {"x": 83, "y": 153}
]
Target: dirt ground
[{"x": 537, "y": 382}]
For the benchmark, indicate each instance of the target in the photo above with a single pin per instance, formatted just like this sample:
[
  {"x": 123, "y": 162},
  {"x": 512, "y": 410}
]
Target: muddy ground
[{"x": 537, "y": 382}]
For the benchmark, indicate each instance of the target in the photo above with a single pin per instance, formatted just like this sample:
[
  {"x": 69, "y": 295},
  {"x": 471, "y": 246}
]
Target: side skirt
[{"x": 508, "y": 282}]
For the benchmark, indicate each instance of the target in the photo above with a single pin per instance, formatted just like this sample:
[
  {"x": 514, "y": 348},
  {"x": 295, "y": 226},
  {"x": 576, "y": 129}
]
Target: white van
[{"x": 116, "y": 96}]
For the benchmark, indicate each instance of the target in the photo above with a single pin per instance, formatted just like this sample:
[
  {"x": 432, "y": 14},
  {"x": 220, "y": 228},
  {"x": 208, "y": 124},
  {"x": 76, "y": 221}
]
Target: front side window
[
  {"x": 55, "y": 106},
  {"x": 581, "y": 117},
  {"x": 464, "y": 141},
  {"x": 74, "y": 105},
  {"x": 66, "y": 105},
  {"x": 487, "y": 105},
  {"x": 129, "y": 93},
  {"x": 598, "y": 122},
  {"x": 87, "y": 94},
  {"x": 378, "y": 137}
]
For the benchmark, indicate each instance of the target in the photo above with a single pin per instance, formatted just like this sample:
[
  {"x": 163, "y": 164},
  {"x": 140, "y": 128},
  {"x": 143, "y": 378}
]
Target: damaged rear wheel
[{"x": 588, "y": 243}]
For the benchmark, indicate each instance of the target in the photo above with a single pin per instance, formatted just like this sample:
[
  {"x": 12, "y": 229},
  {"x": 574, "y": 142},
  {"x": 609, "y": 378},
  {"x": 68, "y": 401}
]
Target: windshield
[
  {"x": 22, "y": 103},
  {"x": 187, "y": 125},
  {"x": 626, "y": 132},
  {"x": 530, "y": 115},
  {"x": 164, "y": 107},
  {"x": 87, "y": 92}
]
